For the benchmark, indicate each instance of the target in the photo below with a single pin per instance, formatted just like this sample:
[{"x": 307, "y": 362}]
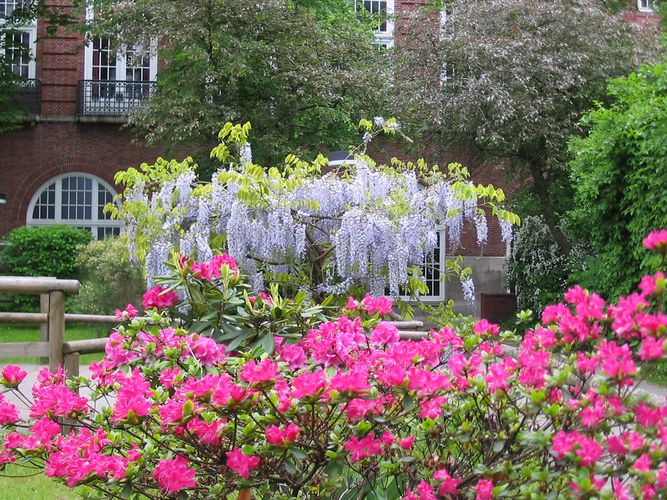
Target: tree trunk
[{"x": 546, "y": 207}]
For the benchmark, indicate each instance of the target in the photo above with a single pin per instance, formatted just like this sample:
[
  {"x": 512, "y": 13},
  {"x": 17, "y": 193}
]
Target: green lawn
[
  {"x": 17, "y": 483},
  {"x": 30, "y": 333},
  {"x": 656, "y": 373}
]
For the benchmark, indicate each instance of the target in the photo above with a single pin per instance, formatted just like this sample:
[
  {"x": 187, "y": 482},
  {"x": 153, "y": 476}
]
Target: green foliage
[
  {"x": 41, "y": 251},
  {"x": 108, "y": 279},
  {"x": 224, "y": 308},
  {"x": 44, "y": 251},
  {"x": 620, "y": 173},
  {"x": 302, "y": 72},
  {"x": 537, "y": 270},
  {"x": 517, "y": 82},
  {"x": 443, "y": 315}
]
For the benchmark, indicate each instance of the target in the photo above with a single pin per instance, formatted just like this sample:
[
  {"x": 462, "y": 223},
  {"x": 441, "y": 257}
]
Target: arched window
[{"x": 76, "y": 199}]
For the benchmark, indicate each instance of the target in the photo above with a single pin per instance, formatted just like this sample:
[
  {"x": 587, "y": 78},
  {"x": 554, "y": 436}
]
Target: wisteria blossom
[{"x": 359, "y": 224}]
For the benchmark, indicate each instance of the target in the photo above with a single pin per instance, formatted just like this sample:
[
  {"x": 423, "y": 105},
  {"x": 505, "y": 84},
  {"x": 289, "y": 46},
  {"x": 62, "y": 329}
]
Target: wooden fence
[{"x": 52, "y": 319}]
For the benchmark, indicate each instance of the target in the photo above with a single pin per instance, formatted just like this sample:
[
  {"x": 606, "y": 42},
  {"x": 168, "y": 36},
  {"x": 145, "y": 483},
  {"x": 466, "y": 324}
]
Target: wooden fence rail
[{"x": 52, "y": 318}]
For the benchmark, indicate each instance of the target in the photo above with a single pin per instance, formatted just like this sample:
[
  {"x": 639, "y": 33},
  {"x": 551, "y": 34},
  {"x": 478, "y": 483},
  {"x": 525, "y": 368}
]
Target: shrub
[
  {"x": 347, "y": 410},
  {"x": 619, "y": 171},
  {"x": 108, "y": 279},
  {"x": 41, "y": 251},
  {"x": 537, "y": 270}
]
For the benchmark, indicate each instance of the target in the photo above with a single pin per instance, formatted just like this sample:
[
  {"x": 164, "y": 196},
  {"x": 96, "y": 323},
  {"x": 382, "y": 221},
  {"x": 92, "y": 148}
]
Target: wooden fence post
[
  {"x": 72, "y": 364},
  {"x": 56, "y": 328},
  {"x": 44, "y": 326}
]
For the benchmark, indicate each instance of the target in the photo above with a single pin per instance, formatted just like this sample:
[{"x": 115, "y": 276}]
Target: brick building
[{"x": 59, "y": 167}]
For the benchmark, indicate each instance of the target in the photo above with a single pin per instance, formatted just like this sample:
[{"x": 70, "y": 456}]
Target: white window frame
[
  {"x": 34, "y": 22},
  {"x": 32, "y": 47},
  {"x": 121, "y": 64},
  {"x": 384, "y": 37},
  {"x": 442, "y": 257},
  {"x": 92, "y": 224},
  {"x": 644, "y": 6}
]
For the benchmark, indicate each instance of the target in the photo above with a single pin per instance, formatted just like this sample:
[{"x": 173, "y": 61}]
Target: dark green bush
[
  {"x": 41, "y": 251},
  {"x": 108, "y": 279}
]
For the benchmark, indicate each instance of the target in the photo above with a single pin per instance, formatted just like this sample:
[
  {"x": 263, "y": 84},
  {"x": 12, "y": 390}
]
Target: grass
[
  {"x": 30, "y": 333},
  {"x": 656, "y": 373},
  {"x": 19, "y": 483}
]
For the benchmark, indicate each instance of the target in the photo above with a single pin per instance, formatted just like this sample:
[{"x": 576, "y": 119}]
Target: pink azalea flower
[
  {"x": 293, "y": 355},
  {"x": 8, "y": 412},
  {"x": 483, "y": 327},
  {"x": 308, "y": 384},
  {"x": 158, "y": 297},
  {"x": 254, "y": 373},
  {"x": 57, "y": 401},
  {"x": 387, "y": 438},
  {"x": 207, "y": 432},
  {"x": 406, "y": 443},
  {"x": 353, "y": 381},
  {"x": 277, "y": 436},
  {"x": 656, "y": 240},
  {"x": 648, "y": 492},
  {"x": 128, "y": 313},
  {"x": 449, "y": 484},
  {"x": 362, "y": 448},
  {"x": 484, "y": 490},
  {"x": 379, "y": 305},
  {"x": 649, "y": 284},
  {"x": 643, "y": 463},
  {"x": 241, "y": 463},
  {"x": 589, "y": 451},
  {"x": 224, "y": 260},
  {"x": 174, "y": 475},
  {"x": 615, "y": 445},
  {"x": 384, "y": 333},
  {"x": 206, "y": 350},
  {"x": 168, "y": 376},
  {"x": 425, "y": 491},
  {"x": 617, "y": 360},
  {"x": 131, "y": 408},
  {"x": 432, "y": 407},
  {"x": 498, "y": 374},
  {"x": 652, "y": 348},
  {"x": 620, "y": 493},
  {"x": 12, "y": 375}
]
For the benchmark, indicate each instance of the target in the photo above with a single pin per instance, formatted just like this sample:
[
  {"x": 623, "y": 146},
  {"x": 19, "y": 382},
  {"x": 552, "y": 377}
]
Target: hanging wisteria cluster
[{"x": 360, "y": 224}]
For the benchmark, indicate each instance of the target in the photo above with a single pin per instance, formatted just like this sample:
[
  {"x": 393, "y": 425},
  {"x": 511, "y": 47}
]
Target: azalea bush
[
  {"x": 304, "y": 225},
  {"x": 349, "y": 410},
  {"x": 216, "y": 301}
]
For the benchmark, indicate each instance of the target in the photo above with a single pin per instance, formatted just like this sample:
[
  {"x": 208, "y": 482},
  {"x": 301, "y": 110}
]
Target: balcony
[
  {"x": 24, "y": 95},
  {"x": 111, "y": 97}
]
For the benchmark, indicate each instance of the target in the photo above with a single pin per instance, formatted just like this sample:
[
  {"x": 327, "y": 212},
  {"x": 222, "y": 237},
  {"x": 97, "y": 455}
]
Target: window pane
[{"x": 75, "y": 195}]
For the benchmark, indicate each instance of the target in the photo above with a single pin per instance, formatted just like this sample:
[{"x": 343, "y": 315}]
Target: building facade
[{"x": 59, "y": 167}]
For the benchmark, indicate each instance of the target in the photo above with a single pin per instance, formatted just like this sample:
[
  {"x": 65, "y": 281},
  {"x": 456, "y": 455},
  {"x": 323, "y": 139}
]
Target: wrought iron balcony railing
[
  {"x": 111, "y": 97},
  {"x": 24, "y": 95}
]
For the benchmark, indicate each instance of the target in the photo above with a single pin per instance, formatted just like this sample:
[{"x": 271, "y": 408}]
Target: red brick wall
[
  {"x": 32, "y": 156},
  {"x": 60, "y": 64}
]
